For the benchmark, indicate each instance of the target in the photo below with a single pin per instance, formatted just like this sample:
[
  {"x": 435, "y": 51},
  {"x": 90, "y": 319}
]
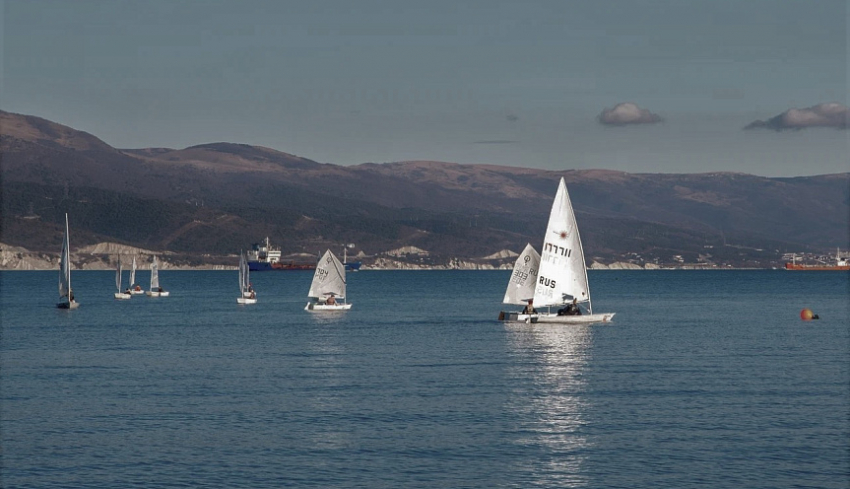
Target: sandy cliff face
[{"x": 17, "y": 258}]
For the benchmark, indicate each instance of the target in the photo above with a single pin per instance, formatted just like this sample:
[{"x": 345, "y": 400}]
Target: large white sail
[
  {"x": 118, "y": 275},
  {"x": 563, "y": 274},
  {"x": 243, "y": 273},
  {"x": 329, "y": 278},
  {"x": 133, "y": 273},
  {"x": 154, "y": 274},
  {"x": 524, "y": 278},
  {"x": 65, "y": 264}
]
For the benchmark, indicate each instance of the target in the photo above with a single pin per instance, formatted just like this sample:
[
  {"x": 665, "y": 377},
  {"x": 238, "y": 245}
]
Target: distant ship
[
  {"x": 262, "y": 257},
  {"x": 350, "y": 266},
  {"x": 839, "y": 264}
]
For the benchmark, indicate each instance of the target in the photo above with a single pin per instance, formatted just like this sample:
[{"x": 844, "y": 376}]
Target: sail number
[
  {"x": 520, "y": 276},
  {"x": 558, "y": 250},
  {"x": 321, "y": 274}
]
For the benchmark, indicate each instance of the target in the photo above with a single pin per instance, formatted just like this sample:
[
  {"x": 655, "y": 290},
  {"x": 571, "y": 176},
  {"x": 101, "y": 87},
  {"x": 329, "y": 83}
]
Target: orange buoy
[{"x": 806, "y": 314}]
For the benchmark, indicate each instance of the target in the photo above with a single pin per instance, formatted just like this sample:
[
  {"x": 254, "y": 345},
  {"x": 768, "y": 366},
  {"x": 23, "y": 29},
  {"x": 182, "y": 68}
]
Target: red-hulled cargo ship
[{"x": 841, "y": 265}]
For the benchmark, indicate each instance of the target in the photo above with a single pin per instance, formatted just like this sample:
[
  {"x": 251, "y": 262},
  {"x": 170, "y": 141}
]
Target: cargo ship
[
  {"x": 262, "y": 257},
  {"x": 840, "y": 264},
  {"x": 350, "y": 266}
]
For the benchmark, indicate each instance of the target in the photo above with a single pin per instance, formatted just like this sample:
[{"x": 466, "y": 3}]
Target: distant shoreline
[{"x": 435, "y": 269}]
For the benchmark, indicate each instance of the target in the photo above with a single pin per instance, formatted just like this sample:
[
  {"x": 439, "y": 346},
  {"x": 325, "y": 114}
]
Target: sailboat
[
  {"x": 135, "y": 288},
  {"x": 328, "y": 285},
  {"x": 246, "y": 289},
  {"x": 156, "y": 290},
  {"x": 122, "y": 295},
  {"x": 522, "y": 283},
  {"x": 66, "y": 293},
  {"x": 562, "y": 279}
]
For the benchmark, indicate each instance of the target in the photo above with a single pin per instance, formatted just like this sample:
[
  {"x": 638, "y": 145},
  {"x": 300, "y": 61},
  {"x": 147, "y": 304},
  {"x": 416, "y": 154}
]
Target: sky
[{"x": 758, "y": 87}]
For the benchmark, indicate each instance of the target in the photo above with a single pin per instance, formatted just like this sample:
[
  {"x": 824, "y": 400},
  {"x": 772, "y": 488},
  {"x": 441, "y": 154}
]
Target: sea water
[{"x": 703, "y": 379}]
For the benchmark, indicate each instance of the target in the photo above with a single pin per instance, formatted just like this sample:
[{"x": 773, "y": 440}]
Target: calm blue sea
[{"x": 704, "y": 379}]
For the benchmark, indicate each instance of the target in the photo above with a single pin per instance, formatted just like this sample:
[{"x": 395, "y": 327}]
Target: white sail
[
  {"x": 243, "y": 274},
  {"x": 154, "y": 274},
  {"x": 118, "y": 275},
  {"x": 329, "y": 278},
  {"x": 563, "y": 274},
  {"x": 133, "y": 273},
  {"x": 65, "y": 265},
  {"x": 524, "y": 278}
]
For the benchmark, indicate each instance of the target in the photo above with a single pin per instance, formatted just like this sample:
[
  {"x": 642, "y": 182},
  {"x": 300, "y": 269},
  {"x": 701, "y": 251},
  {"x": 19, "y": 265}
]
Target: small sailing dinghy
[
  {"x": 156, "y": 290},
  {"x": 328, "y": 286},
  {"x": 121, "y": 295},
  {"x": 135, "y": 288},
  {"x": 520, "y": 289},
  {"x": 66, "y": 293},
  {"x": 246, "y": 289},
  {"x": 562, "y": 279}
]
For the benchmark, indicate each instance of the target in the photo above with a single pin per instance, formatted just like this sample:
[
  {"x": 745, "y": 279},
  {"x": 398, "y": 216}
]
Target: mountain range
[{"x": 214, "y": 199}]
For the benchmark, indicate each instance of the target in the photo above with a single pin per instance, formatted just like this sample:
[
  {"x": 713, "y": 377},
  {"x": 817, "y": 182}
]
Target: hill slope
[{"x": 214, "y": 198}]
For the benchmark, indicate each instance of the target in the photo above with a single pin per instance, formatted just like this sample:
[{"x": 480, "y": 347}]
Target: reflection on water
[
  {"x": 547, "y": 365},
  {"x": 324, "y": 361}
]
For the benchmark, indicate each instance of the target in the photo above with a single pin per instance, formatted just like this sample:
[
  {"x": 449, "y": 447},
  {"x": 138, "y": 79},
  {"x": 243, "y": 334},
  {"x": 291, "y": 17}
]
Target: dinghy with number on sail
[
  {"x": 119, "y": 294},
  {"x": 520, "y": 289},
  {"x": 246, "y": 289},
  {"x": 562, "y": 279},
  {"x": 156, "y": 290},
  {"x": 66, "y": 293},
  {"x": 328, "y": 286}
]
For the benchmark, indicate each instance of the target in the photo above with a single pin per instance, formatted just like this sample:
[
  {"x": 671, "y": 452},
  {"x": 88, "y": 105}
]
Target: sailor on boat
[{"x": 570, "y": 309}]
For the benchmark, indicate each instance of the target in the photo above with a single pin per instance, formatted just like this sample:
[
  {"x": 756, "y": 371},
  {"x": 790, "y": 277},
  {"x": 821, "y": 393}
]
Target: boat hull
[
  {"x": 314, "y": 307},
  {"x": 552, "y": 318},
  {"x": 137, "y": 292},
  {"x": 68, "y": 305},
  {"x": 261, "y": 266},
  {"x": 796, "y": 266},
  {"x": 152, "y": 293},
  {"x": 122, "y": 296},
  {"x": 245, "y": 300}
]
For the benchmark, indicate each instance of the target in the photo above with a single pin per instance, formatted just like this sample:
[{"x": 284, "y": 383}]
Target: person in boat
[
  {"x": 137, "y": 287},
  {"x": 570, "y": 309},
  {"x": 250, "y": 287},
  {"x": 529, "y": 309},
  {"x": 331, "y": 300},
  {"x": 127, "y": 291},
  {"x": 160, "y": 289},
  {"x": 71, "y": 295}
]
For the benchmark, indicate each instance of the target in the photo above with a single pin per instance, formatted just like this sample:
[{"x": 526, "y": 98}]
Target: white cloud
[
  {"x": 822, "y": 115},
  {"x": 628, "y": 113}
]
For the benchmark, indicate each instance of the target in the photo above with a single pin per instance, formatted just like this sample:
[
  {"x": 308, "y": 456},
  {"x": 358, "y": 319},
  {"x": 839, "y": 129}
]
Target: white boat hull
[
  {"x": 245, "y": 300},
  {"x": 137, "y": 292},
  {"x": 314, "y": 307},
  {"x": 583, "y": 319},
  {"x": 152, "y": 293},
  {"x": 553, "y": 318},
  {"x": 68, "y": 305},
  {"x": 122, "y": 296}
]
